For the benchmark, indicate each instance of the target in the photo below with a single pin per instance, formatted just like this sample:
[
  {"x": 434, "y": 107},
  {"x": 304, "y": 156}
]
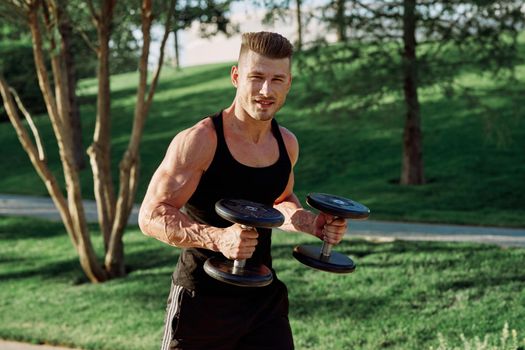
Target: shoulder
[
  {"x": 193, "y": 146},
  {"x": 291, "y": 143},
  {"x": 202, "y": 131}
]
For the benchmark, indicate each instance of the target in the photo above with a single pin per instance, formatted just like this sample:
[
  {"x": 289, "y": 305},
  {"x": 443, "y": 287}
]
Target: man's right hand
[{"x": 237, "y": 243}]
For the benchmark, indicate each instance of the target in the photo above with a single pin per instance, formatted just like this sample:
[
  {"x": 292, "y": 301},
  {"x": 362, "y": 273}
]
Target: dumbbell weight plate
[
  {"x": 250, "y": 275},
  {"x": 337, "y": 206},
  {"x": 249, "y": 214},
  {"x": 311, "y": 255}
]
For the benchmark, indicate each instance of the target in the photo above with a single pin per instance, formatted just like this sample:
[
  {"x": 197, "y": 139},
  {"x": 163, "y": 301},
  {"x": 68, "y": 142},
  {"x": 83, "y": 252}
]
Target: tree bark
[
  {"x": 57, "y": 105},
  {"x": 412, "y": 166},
  {"x": 340, "y": 19},
  {"x": 74, "y": 111},
  {"x": 129, "y": 166},
  {"x": 38, "y": 160},
  {"x": 100, "y": 151},
  {"x": 299, "y": 25},
  {"x": 176, "y": 59}
]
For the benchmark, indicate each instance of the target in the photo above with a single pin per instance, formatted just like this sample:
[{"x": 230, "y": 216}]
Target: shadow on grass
[
  {"x": 60, "y": 270},
  {"x": 16, "y": 228},
  {"x": 482, "y": 280},
  {"x": 152, "y": 258},
  {"x": 70, "y": 269}
]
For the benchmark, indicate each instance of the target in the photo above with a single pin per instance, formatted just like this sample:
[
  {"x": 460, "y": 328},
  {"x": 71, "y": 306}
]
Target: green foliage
[
  {"x": 453, "y": 37},
  {"x": 401, "y": 297},
  {"x": 125, "y": 46},
  {"x": 212, "y": 16},
  {"x": 18, "y": 68}
]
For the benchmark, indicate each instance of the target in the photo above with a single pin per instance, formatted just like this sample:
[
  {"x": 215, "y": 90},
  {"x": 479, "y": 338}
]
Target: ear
[{"x": 234, "y": 74}]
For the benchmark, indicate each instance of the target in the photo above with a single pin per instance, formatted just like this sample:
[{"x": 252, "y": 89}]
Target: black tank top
[{"x": 227, "y": 178}]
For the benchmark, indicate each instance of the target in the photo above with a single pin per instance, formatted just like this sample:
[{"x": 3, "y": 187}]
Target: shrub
[{"x": 18, "y": 68}]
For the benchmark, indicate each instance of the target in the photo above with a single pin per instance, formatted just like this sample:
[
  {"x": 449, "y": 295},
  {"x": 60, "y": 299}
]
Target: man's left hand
[{"x": 329, "y": 228}]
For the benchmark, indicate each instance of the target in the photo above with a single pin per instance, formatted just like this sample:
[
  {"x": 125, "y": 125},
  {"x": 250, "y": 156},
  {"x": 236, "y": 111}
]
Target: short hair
[{"x": 271, "y": 45}]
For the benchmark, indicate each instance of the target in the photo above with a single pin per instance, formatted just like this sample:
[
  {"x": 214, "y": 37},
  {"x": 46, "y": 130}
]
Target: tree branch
[
  {"x": 100, "y": 150},
  {"x": 129, "y": 166},
  {"x": 86, "y": 39},
  {"x": 167, "y": 31},
  {"x": 94, "y": 15},
  {"x": 40, "y": 166},
  {"x": 34, "y": 130}
]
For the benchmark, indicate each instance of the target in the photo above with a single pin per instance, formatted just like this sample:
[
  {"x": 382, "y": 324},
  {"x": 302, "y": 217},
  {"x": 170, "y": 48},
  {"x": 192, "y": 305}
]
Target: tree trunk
[
  {"x": 412, "y": 167},
  {"x": 100, "y": 151},
  {"x": 176, "y": 59},
  {"x": 299, "y": 26},
  {"x": 74, "y": 112},
  {"x": 57, "y": 105},
  {"x": 129, "y": 166},
  {"x": 37, "y": 158},
  {"x": 340, "y": 19}
]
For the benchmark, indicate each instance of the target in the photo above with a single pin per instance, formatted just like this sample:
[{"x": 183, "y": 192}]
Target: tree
[
  {"x": 403, "y": 45},
  {"x": 334, "y": 13},
  {"x": 281, "y": 9},
  {"x": 17, "y": 29},
  {"x": 211, "y": 15},
  {"x": 66, "y": 31},
  {"x": 44, "y": 18}
]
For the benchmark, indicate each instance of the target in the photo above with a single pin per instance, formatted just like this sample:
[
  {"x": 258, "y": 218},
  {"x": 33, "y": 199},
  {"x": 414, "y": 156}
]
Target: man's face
[{"x": 262, "y": 84}]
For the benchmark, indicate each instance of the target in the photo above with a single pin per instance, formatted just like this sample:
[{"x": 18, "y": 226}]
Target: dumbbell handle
[
  {"x": 239, "y": 264},
  {"x": 326, "y": 249}
]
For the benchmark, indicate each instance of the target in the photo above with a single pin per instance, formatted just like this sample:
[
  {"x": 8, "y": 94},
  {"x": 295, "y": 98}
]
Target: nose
[{"x": 265, "y": 88}]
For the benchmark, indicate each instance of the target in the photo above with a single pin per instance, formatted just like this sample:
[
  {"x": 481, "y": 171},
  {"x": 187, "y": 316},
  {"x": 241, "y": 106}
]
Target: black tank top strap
[
  {"x": 280, "y": 141},
  {"x": 217, "y": 123},
  {"x": 221, "y": 142}
]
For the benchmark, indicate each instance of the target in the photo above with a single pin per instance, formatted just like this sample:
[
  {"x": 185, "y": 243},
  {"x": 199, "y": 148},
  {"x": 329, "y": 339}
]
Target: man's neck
[{"x": 241, "y": 123}]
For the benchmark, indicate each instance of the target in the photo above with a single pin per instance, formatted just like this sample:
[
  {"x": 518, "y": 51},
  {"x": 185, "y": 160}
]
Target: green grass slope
[{"x": 474, "y": 160}]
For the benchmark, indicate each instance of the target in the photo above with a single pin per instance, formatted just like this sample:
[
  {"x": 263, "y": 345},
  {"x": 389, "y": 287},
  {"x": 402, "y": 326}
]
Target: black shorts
[{"x": 209, "y": 322}]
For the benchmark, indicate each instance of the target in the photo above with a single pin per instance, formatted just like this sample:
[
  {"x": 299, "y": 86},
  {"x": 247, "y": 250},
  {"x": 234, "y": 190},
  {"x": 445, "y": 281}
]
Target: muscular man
[{"x": 240, "y": 152}]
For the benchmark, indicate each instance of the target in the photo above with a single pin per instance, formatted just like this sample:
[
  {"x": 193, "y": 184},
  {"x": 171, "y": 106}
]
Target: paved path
[
  {"x": 385, "y": 230},
  {"x": 11, "y": 345},
  {"x": 16, "y": 205},
  {"x": 43, "y": 207}
]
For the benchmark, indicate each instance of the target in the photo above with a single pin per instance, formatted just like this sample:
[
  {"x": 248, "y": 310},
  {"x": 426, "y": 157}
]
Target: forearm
[
  {"x": 297, "y": 219},
  {"x": 169, "y": 225}
]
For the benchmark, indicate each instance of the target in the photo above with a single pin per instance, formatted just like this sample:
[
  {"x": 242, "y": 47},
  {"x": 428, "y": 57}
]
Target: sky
[{"x": 195, "y": 50}]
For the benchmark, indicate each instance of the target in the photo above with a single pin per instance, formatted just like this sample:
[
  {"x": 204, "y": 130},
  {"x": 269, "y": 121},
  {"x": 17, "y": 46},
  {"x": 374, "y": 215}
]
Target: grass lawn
[
  {"x": 403, "y": 295},
  {"x": 474, "y": 159}
]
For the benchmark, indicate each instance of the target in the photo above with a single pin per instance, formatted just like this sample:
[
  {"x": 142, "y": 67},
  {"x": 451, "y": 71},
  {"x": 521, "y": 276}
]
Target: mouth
[{"x": 264, "y": 103}]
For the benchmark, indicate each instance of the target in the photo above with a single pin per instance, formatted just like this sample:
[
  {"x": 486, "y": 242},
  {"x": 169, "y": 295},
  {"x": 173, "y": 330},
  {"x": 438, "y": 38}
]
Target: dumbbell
[
  {"x": 323, "y": 258},
  {"x": 249, "y": 215}
]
